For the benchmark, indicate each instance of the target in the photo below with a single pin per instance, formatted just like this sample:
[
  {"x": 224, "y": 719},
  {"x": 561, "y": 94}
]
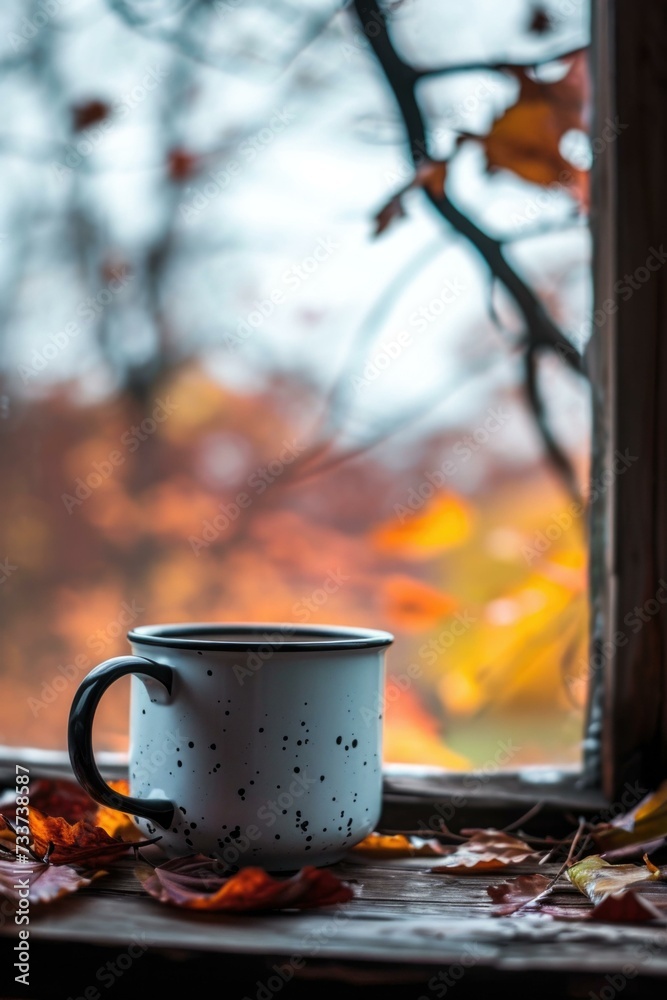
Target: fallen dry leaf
[
  {"x": 597, "y": 879},
  {"x": 193, "y": 883},
  {"x": 643, "y": 826},
  {"x": 54, "y": 797},
  {"x": 45, "y": 882},
  {"x": 517, "y": 892},
  {"x": 117, "y": 824},
  {"x": 378, "y": 845},
  {"x": 628, "y": 907},
  {"x": 486, "y": 850},
  {"x": 80, "y": 843}
]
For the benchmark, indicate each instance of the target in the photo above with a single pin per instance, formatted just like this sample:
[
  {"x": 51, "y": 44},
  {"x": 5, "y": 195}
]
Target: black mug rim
[{"x": 276, "y": 635}]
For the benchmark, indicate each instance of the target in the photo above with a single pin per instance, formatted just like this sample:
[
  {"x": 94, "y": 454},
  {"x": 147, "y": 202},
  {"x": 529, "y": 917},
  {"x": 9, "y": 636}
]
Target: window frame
[{"x": 625, "y": 738}]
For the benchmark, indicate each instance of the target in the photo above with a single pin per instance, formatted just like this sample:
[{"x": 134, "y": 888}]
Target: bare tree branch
[{"x": 541, "y": 331}]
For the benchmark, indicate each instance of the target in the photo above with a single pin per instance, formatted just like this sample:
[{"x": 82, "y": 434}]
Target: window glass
[{"x": 242, "y": 381}]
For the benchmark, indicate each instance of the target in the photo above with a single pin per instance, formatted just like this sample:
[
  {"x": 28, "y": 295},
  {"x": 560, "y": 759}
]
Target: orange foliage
[{"x": 526, "y": 138}]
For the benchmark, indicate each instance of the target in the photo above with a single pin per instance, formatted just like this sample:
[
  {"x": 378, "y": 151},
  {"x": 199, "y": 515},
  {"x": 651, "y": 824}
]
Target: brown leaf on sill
[
  {"x": 597, "y": 879},
  {"x": 194, "y": 883},
  {"x": 517, "y": 892},
  {"x": 80, "y": 843},
  {"x": 45, "y": 882},
  {"x": 378, "y": 845},
  {"x": 486, "y": 850}
]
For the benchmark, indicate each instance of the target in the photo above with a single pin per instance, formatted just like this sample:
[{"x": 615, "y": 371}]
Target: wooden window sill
[{"x": 406, "y": 926}]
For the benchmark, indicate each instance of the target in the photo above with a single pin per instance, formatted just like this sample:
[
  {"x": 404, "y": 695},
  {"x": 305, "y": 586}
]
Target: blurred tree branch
[{"x": 541, "y": 332}]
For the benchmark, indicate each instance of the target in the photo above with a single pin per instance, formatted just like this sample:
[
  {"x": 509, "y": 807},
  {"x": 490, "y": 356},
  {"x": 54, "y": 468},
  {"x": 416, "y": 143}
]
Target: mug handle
[{"x": 80, "y": 736}]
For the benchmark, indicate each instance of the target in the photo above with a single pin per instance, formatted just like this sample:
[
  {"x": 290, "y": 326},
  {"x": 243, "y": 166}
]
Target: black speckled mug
[{"x": 259, "y": 744}]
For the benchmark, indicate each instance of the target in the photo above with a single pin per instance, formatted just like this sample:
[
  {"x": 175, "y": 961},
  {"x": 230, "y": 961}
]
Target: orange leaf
[
  {"x": 378, "y": 845},
  {"x": 80, "y": 843},
  {"x": 526, "y": 137},
  {"x": 46, "y": 882},
  {"x": 442, "y": 524},
  {"x": 117, "y": 824},
  {"x": 413, "y": 605},
  {"x": 485, "y": 850},
  {"x": 194, "y": 883}
]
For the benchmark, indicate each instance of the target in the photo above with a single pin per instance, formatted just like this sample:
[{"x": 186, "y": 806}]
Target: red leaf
[
  {"x": 517, "y": 892},
  {"x": 81, "y": 843},
  {"x": 195, "y": 884},
  {"x": 87, "y": 114},
  {"x": 55, "y": 798},
  {"x": 181, "y": 164}
]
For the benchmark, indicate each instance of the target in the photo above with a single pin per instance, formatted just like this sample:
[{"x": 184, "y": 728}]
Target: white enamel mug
[{"x": 258, "y": 744}]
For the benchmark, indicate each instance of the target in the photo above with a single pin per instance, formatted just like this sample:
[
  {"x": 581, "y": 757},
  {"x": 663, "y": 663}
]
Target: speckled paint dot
[
  {"x": 241, "y": 792},
  {"x": 339, "y": 740},
  {"x": 180, "y": 763},
  {"x": 355, "y": 743},
  {"x": 212, "y": 746},
  {"x": 210, "y": 673},
  {"x": 191, "y": 744},
  {"x": 321, "y": 777},
  {"x": 297, "y": 770}
]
